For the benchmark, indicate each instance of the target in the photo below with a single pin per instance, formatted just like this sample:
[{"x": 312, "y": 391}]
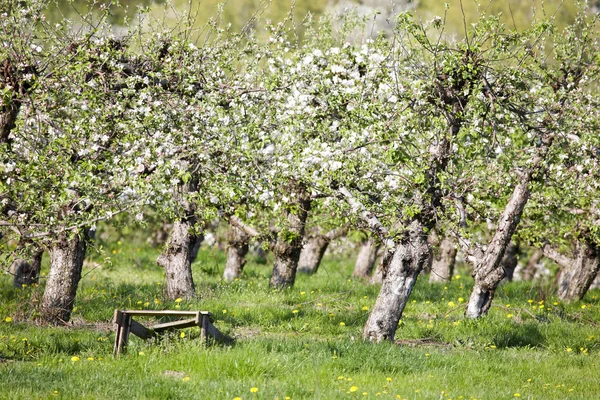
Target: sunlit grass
[{"x": 303, "y": 342}]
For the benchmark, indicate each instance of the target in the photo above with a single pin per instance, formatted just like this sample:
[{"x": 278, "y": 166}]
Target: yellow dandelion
[
  {"x": 451, "y": 304},
  {"x": 224, "y": 311},
  {"x": 509, "y": 315},
  {"x": 342, "y": 323},
  {"x": 74, "y": 358},
  {"x": 254, "y": 390},
  {"x": 388, "y": 379},
  {"x": 354, "y": 388},
  {"x": 569, "y": 349},
  {"x": 294, "y": 311},
  {"x": 90, "y": 358},
  {"x": 237, "y": 398},
  {"x": 460, "y": 299},
  {"x": 583, "y": 306},
  {"x": 187, "y": 378},
  {"x": 365, "y": 308},
  {"x": 302, "y": 293},
  {"x": 182, "y": 335},
  {"x": 365, "y": 394},
  {"x": 178, "y": 300},
  {"x": 8, "y": 319},
  {"x": 530, "y": 301},
  {"x": 141, "y": 353},
  {"x": 517, "y": 395}
]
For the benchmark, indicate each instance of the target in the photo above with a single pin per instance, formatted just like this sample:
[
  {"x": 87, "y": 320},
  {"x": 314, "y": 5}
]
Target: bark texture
[
  {"x": 178, "y": 254},
  {"x": 365, "y": 261},
  {"x": 443, "y": 261},
  {"x": 487, "y": 271},
  {"x": 237, "y": 241},
  {"x": 66, "y": 262},
  {"x": 27, "y": 272},
  {"x": 400, "y": 273},
  {"x": 577, "y": 273},
  {"x": 289, "y": 240}
]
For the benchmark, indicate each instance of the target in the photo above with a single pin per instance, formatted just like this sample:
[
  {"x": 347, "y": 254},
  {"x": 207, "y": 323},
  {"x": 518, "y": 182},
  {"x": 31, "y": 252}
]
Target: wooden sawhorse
[{"x": 125, "y": 324}]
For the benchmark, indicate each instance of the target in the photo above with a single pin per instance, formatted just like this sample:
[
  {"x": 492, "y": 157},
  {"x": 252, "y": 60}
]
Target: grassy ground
[{"x": 298, "y": 343}]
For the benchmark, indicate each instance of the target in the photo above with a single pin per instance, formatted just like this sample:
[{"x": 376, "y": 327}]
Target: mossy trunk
[
  {"x": 237, "y": 241},
  {"x": 289, "y": 240},
  {"x": 400, "y": 272},
  {"x": 66, "y": 261},
  {"x": 27, "y": 272},
  {"x": 365, "y": 261},
  {"x": 443, "y": 261}
]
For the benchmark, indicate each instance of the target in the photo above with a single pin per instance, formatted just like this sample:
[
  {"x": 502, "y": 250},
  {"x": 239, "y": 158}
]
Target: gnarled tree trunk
[
  {"x": 27, "y": 272},
  {"x": 487, "y": 271},
  {"x": 237, "y": 240},
  {"x": 400, "y": 273},
  {"x": 442, "y": 265},
  {"x": 178, "y": 254},
  {"x": 177, "y": 261},
  {"x": 314, "y": 249},
  {"x": 578, "y": 273},
  {"x": 66, "y": 262},
  {"x": 312, "y": 253},
  {"x": 365, "y": 261},
  {"x": 289, "y": 240}
]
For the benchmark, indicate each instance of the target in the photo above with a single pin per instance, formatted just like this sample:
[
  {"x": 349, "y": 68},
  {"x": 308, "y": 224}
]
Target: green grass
[{"x": 300, "y": 343}]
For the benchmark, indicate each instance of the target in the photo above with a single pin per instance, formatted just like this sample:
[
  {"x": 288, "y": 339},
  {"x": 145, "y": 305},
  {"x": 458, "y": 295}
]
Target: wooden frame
[{"x": 125, "y": 324}]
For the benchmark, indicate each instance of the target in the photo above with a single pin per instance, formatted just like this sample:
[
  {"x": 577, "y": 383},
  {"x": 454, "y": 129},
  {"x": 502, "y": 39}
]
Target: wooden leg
[
  {"x": 204, "y": 329},
  {"x": 118, "y": 329},
  {"x": 123, "y": 334}
]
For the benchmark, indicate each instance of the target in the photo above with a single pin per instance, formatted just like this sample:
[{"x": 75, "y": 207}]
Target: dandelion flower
[
  {"x": 254, "y": 390},
  {"x": 141, "y": 353},
  {"x": 517, "y": 395},
  {"x": 178, "y": 300},
  {"x": 182, "y": 335},
  {"x": 8, "y": 319},
  {"x": 354, "y": 388},
  {"x": 365, "y": 308},
  {"x": 187, "y": 378},
  {"x": 342, "y": 323},
  {"x": 294, "y": 311},
  {"x": 74, "y": 358}
]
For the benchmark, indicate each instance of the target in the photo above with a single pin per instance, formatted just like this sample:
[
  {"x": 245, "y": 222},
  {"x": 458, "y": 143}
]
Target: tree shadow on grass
[{"x": 521, "y": 335}]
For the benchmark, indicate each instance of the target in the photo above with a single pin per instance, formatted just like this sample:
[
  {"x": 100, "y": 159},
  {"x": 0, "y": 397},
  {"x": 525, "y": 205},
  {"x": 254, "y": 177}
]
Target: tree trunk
[
  {"x": 176, "y": 260},
  {"x": 289, "y": 240},
  {"x": 179, "y": 251},
  {"x": 528, "y": 273},
  {"x": 237, "y": 240},
  {"x": 576, "y": 278},
  {"x": 27, "y": 272},
  {"x": 442, "y": 266},
  {"x": 365, "y": 261},
  {"x": 312, "y": 254},
  {"x": 510, "y": 260},
  {"x": 66, "y": 262},
  {"x": 487, "y": 271},
  {"x": 400, "y": 273}
]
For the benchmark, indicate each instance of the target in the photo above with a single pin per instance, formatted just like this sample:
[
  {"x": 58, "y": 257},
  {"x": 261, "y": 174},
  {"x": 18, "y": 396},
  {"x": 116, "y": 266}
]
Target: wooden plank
[
  {"x": 141, "y": 331},
  {"x": 161, "y": 313},
  {"x": 186, "y": 323}
]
